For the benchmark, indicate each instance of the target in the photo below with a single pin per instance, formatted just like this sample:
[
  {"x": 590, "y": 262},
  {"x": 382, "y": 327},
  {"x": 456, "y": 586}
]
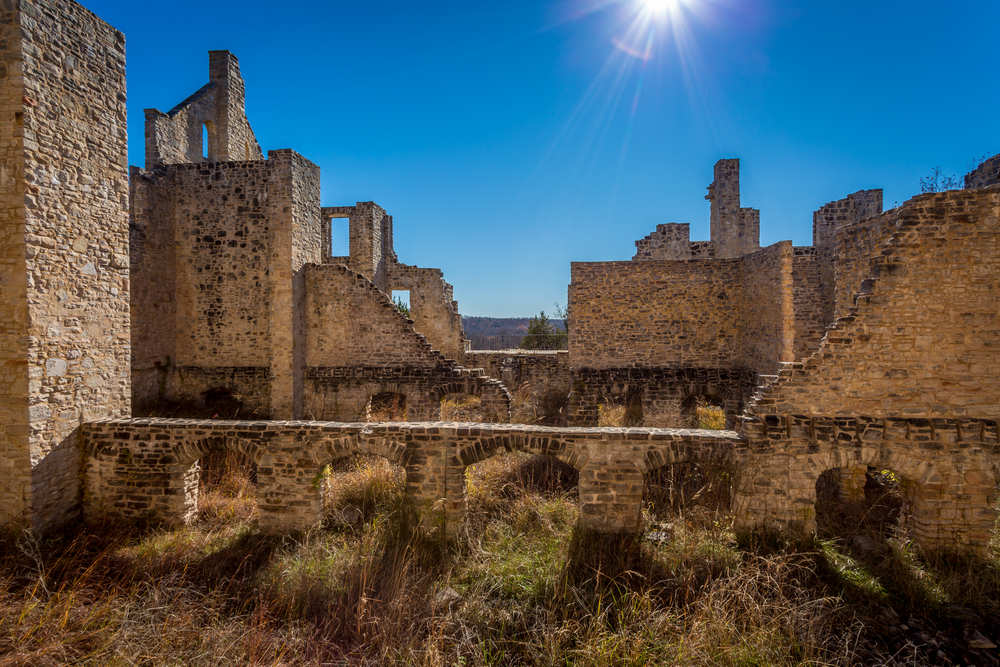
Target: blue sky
[{"x": 509, "y": 139}]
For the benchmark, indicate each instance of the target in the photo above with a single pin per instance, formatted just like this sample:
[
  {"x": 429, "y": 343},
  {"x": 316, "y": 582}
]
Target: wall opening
[
  {"x": 703, "y": 411},
  {"x": 223, "y": 403},
  {"x": 204, "y": 142},
  {"x": 523, "y": 491},
  {"x": 624, "y": 409},
  {"x": 702, "y": 487},
  {"x": 386, "y": 406},
  {"x": 357, "y": 488},
  {"x": 227, "y": 488},
  {"x": 401, "y": 297},
  {"x": 865, "y": 501},
  {"x": 461, "y": 407},
  {"x": 340, "y": 237}
]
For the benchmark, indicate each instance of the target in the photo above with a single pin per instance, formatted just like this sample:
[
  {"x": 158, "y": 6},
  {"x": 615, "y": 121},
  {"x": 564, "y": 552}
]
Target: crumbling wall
[
  {"x": 670, "y": 241},
  {"x": 827, "y": 223},
  {"x": 432, "y": 307},
  {"x": 219, "y": 107},
  {"x": 64, "y": 279},
  {"x": 764, "y": 308},
  {"x": 543, "y": 368},
  {"x": 922, "y": 339},
  {"x": 735, "y": 230},
  {"x": 858, "y": 247},
  {"x": 370, "y": 240},
  {"x": 654, "y": 313},
  {"x": 985, "y": 175},
  {"x": 809, "y": 301}
]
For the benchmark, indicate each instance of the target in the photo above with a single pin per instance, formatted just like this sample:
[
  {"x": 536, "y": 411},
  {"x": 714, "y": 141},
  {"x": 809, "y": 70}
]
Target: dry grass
[
  {"x": 462, "y": 408},
  {"x": 541, "y": 404},
  {"x": 386, "y": 408},
  {"x": 522, "y": 586}
]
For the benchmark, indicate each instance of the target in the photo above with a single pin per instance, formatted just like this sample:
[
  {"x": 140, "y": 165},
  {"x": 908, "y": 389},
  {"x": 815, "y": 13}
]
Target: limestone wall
[
  {"x": 350, "y": 322},
  {"x": 828, "y": 225},
  {"x": 540, "y": 367},
  {"x": 922, "y": 342},
  {"x": 432, "y": 307},
  {"x": 654, "y": 313},
  {"x": 764, "y": 309},
  {"x": 218, "y": 107},
  {"x": 985, "y": 175},
  {"x": 809, "y": 301},
  {"x": 735, "y": 230},
  {"x": 64, "y": 280},
  {"x": 670, "y": 241},
  {"x": 224, "y": 256},
  {"x": 160, "y": 457}
]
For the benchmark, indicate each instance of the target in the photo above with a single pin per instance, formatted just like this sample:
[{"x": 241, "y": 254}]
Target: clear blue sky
[{"x": 510, "y": 138}]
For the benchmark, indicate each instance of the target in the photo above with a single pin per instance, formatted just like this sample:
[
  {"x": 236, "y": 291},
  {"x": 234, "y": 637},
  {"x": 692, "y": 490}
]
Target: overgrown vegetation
[
  {"x": 520, "y": 586},
  {"x": 542, "y": 335}
]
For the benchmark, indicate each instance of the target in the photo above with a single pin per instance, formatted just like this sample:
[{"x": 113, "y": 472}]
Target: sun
[{"x": 661, "y": 6}]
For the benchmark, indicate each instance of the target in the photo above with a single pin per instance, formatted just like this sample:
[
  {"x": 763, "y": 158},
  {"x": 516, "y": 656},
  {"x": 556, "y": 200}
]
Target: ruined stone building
[
  {"x": 207, "y": 279},
  {"x": 235, "y": 291},
  {"x": 705, "y": 320}
]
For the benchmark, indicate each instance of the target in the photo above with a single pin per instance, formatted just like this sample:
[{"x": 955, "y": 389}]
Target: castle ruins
[{"x": 206, "y": 278}]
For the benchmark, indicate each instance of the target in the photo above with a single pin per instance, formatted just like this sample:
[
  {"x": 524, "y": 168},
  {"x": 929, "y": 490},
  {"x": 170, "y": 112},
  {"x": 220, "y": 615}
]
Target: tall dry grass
[{"x": 522, "y": 586}]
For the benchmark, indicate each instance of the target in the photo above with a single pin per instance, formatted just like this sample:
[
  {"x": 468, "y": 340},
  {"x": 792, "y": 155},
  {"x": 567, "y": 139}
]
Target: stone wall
[
  {"x": 147, "y": 470},
  {"x": 370, "y": 240},
  {"x": 662, "y": 392},
  {"x": 670, "y": 241},
  {"x": 947, "y": 466},
  {"x": 809, "y": 301},
  {"x": 765, "y": 309},
  {"x": 219, "y": 107},
  {"x": 218, "y": 250},
  {"x": 432, "y": 307},
  {"x": 735, "y": 230},
  {"x": 64, "y": 280},
  {"x": 985, "y": 175},
  {"x": 654, "y": 313},
  {"x": 828, "y": 222},
  {"x": 542, "y": 368},
  {"x": 922, "y": 340}
]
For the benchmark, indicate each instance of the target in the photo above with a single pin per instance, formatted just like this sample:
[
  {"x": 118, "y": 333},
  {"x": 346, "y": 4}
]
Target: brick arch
[
  {"x": 664, "y": 455},
  {"x": 187, "y": 452}
]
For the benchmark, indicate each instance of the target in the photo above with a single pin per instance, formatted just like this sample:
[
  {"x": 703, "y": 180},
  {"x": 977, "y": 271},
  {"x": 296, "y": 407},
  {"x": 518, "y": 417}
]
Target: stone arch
[
  {"x": 184, "y": 476},
  {"x": 634, "y": 397},
  {"x": 189, "y": 451},
  {"x": 391, "y": 401},
  {"x": 329, "y": 450},
  {"x": 494, "y": 396},
  {"x": 683, "y": 471}
]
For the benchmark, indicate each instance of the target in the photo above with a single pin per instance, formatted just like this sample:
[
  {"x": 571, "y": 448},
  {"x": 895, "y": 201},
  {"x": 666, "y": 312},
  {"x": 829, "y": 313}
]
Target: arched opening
[
  {"x": 701, "y": 488},
  {"x": 386, "y": 406},
  {"x": 227, "y": 487},
  {"x": 866, "y": 501},
  {"x": 516, "y": 492},
  {"x": 704, "y": 411},
  {"x": 359, "y": 487},
  {"x": 620, "y": 409},
  {"x": 462, "y": 407}
]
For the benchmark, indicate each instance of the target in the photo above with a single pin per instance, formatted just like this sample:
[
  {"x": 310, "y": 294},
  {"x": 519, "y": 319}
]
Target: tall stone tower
[
  {"x": 64, "y": 279},
  {"x": 735, "y": 230}
]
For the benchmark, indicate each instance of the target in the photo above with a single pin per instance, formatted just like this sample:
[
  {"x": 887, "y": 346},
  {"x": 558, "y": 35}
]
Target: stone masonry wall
[
  {"x": 224, "y": 255},
  {"x": 350, "y": 322},
  {"x": 827, "y": 223},
  {"x": 219, "y": 106},
  {"x": 147, "y": 470},
  {"x": 153, "y": 278},
  {"x": 922, "y": 340},
  {"x": 64, "y": 277},
  {"x": 735, "y": 230},
  {"x": 765, "y": 309},
  {"x": 654, "y": 313},
  {"x": 985, "y": 175},
  {"x": 539, "y": 367},
  {"x": 432, "y": 307},
  {"x": 809, "y": 302},
  {"x": 670, "y": 241}
]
